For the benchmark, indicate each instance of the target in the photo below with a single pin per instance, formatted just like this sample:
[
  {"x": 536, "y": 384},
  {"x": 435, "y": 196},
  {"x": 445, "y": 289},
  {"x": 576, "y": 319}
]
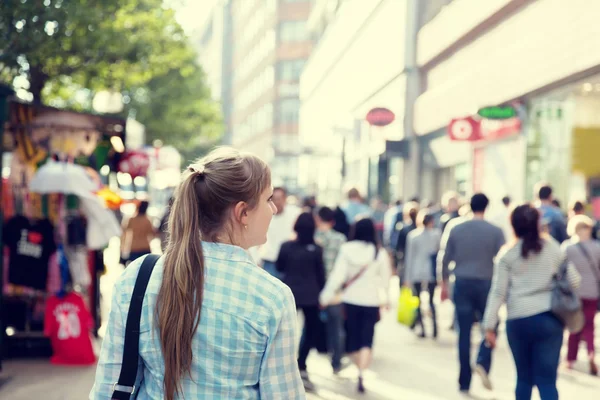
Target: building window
[
  {"x": 288, "y": 111},
  {"x": 293, "y": 31},
  {"x": 290, "y": 70}
]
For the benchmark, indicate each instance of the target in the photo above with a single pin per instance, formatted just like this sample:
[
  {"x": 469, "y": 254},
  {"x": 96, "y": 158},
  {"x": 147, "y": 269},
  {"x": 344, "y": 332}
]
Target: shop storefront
[
  {"x": 506, "y": 51},
  {"x": 444, "y": 166},
  {"x": 563, "y": 141},
  {"x": 56, "y": 223}
]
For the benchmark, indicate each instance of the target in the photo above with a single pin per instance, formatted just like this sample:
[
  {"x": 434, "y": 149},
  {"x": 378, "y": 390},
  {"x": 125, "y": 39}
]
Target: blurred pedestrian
[
  {"x": 422, "y": 246},
  {"x": 309, "y": 204},
  {"x": 213, "y": 325},
  {"x": 552, "y": 218},
  {"x": 502, "y": 219},
  {"x": 405, "y": 223},
  {"x": 301, "y": 266},
  {"x": 331, "y": 242},
  {"x": 389, "y": 221},
  {"x": 341, "y": 222},
  {"x": 378, "y": 209},
  {"x": 451, "y": 205},
  {"x": 138, "y": 233},
  {"x": 578, "y": 208},
  {"x": 584, "y": 253},
  {"x": 523, "y": 279},
  {"x": 472, "y": 246},
  {"x": 362, "y": 273},
  {"x": 355, "y": 206},
  {"x": 280, "y": 230}
]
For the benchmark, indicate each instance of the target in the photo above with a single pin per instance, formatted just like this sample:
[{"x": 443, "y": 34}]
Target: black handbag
[{"x": 124, "y": 388}]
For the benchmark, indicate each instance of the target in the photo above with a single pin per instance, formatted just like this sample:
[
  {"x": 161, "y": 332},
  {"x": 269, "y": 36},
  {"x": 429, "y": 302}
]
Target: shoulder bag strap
[
  {"x": 124, "y": 388},
  {"x": 350, "y": 281},
  {"x": 593, "y": 264}
]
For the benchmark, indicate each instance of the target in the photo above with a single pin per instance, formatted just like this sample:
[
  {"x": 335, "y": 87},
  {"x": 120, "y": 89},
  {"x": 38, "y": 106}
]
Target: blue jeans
[
  {"x": 335, "y": 334},
  {"x": 470, "y": 298},
  {"x": 535, "y": 343},
  {"x": 270, "y": 267}
]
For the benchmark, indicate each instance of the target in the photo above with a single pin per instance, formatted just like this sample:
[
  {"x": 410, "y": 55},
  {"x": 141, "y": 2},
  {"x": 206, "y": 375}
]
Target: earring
[{"x": 245, "y": 226}]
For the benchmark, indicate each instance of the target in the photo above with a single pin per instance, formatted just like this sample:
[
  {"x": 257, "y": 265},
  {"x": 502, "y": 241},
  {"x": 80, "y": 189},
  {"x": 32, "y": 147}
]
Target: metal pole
[{"x": 5, "y": 92}]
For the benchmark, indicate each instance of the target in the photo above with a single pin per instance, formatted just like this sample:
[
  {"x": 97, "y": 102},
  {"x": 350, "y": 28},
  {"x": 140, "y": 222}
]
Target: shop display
[
  {"x": 68, "y": 323},
  {"x": 55, "y": 227},
  {"x": 30, "y": 244}
]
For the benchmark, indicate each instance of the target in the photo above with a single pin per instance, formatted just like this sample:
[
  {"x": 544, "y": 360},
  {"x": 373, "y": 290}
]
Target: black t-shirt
[{"x": 30, "y": 244}]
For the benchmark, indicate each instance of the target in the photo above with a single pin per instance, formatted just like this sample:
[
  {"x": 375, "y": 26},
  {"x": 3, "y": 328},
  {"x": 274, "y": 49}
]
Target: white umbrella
[
  {"x": 61, "y": 177},
  {"x": 102, "y": 224}
]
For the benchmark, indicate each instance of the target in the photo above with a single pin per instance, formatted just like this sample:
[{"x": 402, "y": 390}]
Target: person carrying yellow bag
[{"x": 408, "y": 305}]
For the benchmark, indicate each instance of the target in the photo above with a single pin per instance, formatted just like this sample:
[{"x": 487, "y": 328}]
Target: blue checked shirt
[{"x": 244, "y": 347}]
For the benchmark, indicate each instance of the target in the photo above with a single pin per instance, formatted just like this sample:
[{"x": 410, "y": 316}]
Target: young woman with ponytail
[
  {"x": 213, "y": 324},
  {"x": 523, "y": 279}
]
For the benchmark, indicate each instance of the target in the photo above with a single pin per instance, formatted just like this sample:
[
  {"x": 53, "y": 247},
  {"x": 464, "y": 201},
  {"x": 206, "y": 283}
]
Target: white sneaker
[{"x": 485, "y": 378}]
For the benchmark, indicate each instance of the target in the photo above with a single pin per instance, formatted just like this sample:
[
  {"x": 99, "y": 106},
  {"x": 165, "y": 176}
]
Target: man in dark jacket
[{"x": 405, "y": 223}]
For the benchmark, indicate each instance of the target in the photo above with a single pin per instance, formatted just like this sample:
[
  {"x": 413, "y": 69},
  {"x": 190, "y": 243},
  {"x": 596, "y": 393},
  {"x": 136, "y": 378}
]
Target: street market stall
[{"x": 56, "y": 224}]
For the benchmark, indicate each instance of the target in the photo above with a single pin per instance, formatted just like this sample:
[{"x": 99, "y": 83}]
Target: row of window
[
  {"x": 290, "y": 70},
  {"x": 258, "y": 122},
  {"x": 262, "y": 120},
  {"x": 259, "y": 85},
  {"x": 264, "y": 47},
  {"x": 288, "y": 111},
  {"x": 293, "y": 31}
]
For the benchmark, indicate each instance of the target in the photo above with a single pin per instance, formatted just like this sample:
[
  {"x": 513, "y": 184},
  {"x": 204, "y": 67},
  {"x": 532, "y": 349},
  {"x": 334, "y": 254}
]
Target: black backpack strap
[{"x": 125, "y": 387}]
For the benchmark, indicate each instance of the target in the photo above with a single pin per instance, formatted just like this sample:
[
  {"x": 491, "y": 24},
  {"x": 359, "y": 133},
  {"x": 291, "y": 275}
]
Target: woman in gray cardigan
[
  {"x": 584, "y": 252},
  {"x": 422, "y": 246},
  {"x": 523, "y": 280}
]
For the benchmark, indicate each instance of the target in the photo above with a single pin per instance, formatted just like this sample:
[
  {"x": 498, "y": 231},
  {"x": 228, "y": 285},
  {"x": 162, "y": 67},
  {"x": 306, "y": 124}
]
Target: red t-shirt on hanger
[{"x": 68, "y": 323}]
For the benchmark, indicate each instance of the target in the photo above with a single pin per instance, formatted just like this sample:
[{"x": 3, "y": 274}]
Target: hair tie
[{"x": 198, "y": 169}]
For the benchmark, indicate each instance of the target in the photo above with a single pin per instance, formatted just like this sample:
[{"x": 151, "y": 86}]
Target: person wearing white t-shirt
[
  {"x": 502, "y": 220},
  {"x": 281, "y": 230}
]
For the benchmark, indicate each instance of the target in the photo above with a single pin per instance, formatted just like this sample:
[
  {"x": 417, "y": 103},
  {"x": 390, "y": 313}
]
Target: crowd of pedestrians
[
  {"x": 333, "y": 266},
  {"x": 339, "y": 268}
]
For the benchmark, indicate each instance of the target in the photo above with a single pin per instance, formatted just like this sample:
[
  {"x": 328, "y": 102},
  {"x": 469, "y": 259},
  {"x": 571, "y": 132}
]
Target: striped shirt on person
[
  {"x": 525, "y": 284},
  {"x": 245, "y": 345}
]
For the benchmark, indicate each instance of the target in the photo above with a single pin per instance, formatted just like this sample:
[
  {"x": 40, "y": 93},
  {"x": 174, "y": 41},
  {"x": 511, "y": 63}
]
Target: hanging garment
[
  {"x": 30, "y": 244},
  {"x": 68, "y": 322},
  {"x": 77, "y": 256}
]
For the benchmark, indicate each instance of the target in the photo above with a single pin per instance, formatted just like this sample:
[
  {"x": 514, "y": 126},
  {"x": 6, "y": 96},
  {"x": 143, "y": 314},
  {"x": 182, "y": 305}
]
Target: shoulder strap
[
  {"x": 125, "y": 387},
  {"x": 593, "y": 264},
  {"x": 350, "y": 281}
]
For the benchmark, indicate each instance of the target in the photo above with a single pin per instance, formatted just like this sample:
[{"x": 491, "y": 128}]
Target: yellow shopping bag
[{"x": 407, "y": 307}]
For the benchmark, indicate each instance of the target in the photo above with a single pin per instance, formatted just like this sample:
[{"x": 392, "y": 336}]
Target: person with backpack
[
  {"x": 552, "y": 218},
  {"x": 361, "y": 275},
  {"x": 523, "y": 279},
  {"x": 584, "y": 253},
  {"x": 213, "y": 324}
]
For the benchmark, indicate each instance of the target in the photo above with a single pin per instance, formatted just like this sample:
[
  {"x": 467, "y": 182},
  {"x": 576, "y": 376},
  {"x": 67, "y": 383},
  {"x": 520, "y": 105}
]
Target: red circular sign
[{"x": 380, "y": 116}]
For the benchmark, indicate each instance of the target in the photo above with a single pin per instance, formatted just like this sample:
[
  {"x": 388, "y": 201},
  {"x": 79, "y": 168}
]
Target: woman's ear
[{"x": 240, "y": 213}]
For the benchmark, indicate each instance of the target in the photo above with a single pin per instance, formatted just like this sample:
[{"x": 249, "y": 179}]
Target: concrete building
[
  {"x": 215, "y": 50},
  {"x": 537, "y": 57},
  {"x": 359, "y": 63},
  {"x": 270, "y": 47}
]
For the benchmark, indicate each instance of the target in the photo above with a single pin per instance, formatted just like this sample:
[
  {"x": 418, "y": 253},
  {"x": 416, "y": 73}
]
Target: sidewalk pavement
[{"x": 404, "y": 367}]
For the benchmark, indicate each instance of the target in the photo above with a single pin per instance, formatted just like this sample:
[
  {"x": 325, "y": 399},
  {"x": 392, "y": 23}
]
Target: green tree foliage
[{"x": 65, "y": 47}]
